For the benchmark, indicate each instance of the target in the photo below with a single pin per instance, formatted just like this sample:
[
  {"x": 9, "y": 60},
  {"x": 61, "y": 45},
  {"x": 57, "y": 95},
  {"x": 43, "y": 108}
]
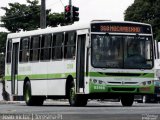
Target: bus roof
[
  {"x": 130, "y": 22},
  {"x": 49, "y": 30},
  {"x": 64, "y": 28}
]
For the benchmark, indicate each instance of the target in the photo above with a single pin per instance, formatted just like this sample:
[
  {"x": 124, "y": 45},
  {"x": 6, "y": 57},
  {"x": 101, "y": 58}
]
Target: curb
[{"x": 10, "y": 102}]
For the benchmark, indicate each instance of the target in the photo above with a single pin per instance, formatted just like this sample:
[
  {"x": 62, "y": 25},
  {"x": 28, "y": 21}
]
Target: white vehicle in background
[{"x": 100, "y": 60}]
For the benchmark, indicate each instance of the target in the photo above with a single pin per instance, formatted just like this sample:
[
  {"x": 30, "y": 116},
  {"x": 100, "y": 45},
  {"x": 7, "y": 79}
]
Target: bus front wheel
[
  {"x": 127, "y": 100},
  {"x": 74, "y": 99}
]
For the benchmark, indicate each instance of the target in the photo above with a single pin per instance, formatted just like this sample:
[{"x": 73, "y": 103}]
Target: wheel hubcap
[
  {"x": 72, "y": 94},
  {"x": 27, "y": 95}
]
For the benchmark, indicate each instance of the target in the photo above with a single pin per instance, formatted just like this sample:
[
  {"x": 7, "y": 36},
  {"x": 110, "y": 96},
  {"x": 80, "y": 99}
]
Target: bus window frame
[
  {"x": 9, "y": 51},
  {"x": 31, "y": 49},
  {"x": 21, "y": 50},
  {"x": 48, "y": 47},
  {"x": 70, "y": 45},
  {"x": 61, "y": 46}
]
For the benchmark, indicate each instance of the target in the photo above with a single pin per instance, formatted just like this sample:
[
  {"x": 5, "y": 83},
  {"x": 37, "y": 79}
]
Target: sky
[{"x": 88, "y": 9}]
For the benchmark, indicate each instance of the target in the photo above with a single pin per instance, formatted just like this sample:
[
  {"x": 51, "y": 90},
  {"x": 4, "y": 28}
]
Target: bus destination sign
[
  {"x": 124, "y": 29},
  {"x": 120, "y": 28}
]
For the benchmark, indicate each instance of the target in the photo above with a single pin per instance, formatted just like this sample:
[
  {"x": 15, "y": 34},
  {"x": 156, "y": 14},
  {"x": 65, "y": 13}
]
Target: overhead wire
[{"x": 62, "y": 3}]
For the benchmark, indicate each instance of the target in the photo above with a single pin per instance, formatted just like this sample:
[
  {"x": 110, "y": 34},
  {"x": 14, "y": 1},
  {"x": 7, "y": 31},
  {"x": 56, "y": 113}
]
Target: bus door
[
  {"x": 14, "y": 66},
  {"x": 80, "y": 63}
]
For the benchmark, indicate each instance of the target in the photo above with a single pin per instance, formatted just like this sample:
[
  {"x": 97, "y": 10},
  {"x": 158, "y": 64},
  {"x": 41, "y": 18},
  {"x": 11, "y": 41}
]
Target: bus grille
[
  {"x": 123, "y": 89},
  {"x": 123, "y": 83}
]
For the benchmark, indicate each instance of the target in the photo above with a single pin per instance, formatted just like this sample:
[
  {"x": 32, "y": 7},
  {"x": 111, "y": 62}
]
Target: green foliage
[
  {"x": 55, "y": 19},
  {"x": 2, "y": 65},
  {"x": 3, "y": 38},
  {"x": 147, "y": 11},
  {"x": 27, "y": 17}
]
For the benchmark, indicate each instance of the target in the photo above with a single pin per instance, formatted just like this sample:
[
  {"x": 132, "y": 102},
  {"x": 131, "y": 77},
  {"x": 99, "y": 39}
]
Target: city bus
[{"x": 99, "y": 60}]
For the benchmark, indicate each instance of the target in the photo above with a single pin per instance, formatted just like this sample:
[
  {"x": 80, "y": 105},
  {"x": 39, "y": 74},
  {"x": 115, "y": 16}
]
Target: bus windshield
[{"x": 121, "y": 51}]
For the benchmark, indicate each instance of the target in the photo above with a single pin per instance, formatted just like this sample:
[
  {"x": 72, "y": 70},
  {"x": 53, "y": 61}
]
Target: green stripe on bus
[
  {"x": 43, "y": 76},
  {"x": 137, "y": 75},
  {"x": 91, "y": 74},
  {"x": 7, "y": 77}
]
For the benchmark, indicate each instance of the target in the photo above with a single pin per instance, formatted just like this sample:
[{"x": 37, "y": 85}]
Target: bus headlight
[
  {"x": 146, "y": 83},
  {"x": 95, "y": 81},
  {"x": 143, "y": 83}
]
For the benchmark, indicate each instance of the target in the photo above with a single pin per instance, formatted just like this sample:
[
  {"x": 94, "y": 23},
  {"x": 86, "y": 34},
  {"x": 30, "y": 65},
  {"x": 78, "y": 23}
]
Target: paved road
[{"x": 93, "y": 111}]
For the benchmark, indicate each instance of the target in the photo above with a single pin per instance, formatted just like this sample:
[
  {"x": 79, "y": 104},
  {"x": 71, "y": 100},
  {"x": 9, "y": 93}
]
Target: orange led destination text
[{"x": 125, "y": 29}]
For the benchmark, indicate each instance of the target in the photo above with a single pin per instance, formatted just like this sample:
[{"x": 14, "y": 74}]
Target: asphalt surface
[{"x": 60, "y": 110}]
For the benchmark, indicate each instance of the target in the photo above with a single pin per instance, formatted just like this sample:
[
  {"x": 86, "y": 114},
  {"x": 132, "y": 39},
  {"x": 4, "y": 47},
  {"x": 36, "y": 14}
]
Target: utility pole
[
  {"x": 71, "y": 9},
  {"x": 43, "y": 14}
]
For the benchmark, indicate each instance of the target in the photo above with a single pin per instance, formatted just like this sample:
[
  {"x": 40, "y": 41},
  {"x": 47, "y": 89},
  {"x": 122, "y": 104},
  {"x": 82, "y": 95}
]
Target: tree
[
  {"x": 27, "y": 17},
  {"x": 3, "y": 37},
  {"x": 146, "y": 11},
  {"x": 2, "y": 64}
]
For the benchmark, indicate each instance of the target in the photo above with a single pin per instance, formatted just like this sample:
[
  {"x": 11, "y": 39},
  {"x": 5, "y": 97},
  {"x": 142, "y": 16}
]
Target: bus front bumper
[{"x": 134, "y": 89}]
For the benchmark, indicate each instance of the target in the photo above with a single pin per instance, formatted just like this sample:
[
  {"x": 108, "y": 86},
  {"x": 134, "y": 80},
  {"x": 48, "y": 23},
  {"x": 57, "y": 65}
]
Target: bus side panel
[
  {"x": 56, "y": 87},
  {"x": 36, "y": 72},
  {"x": 58, "y": 71},
  {"x": 38, "y": 87}
]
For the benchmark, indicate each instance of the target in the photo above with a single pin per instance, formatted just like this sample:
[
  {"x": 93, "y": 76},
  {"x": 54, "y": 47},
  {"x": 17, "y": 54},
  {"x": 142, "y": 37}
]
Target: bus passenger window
[
  {"x": 9, "y": 48},
  {"x": 24, "y": 50},
  {"x": 70, "y": 45},
  {"x": 57, "y": 46},
  {"x": 35, "y": 48},
  {"x": 46, "y": 47}
]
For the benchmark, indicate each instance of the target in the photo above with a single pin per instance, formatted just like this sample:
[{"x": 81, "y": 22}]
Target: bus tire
[
  {"x": 74, "y": 99},
  {"x": 38, "y": 101},
  {"x": 27, "y": 94},
  {"x": 127, "y": 100},
  {"x": 29, "y": 99},
  {"x": 83, "y": 101}
]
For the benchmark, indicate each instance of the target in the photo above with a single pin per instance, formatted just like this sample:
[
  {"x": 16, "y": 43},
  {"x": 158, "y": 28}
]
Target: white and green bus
[{"x": 99, "y": 60}]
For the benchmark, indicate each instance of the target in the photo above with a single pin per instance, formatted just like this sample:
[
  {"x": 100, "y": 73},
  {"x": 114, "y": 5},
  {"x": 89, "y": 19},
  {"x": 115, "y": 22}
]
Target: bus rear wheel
[
  {"x": 74, "y": 99},
  {"x": 29, "y": 99},
  {"x": 127, "y": 100}
]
